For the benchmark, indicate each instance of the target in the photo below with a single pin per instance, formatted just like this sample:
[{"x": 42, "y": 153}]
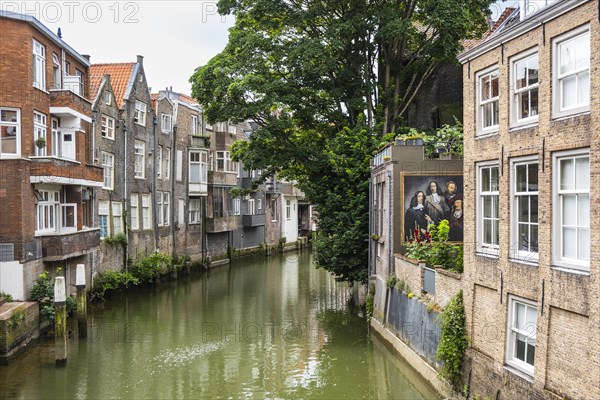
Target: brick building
[
  {"x": 47, "y": 177},
  {"x": 532, "y": 275}
]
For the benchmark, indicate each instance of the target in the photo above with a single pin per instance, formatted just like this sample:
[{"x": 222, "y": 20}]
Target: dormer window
[{"x": 530, "y": 7}]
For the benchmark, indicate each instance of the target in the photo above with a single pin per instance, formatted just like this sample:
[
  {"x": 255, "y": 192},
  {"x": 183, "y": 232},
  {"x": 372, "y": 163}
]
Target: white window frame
[
  {"x": 40, "y": 122},
  {"x": 533, "y": 116},
  {"x": 139, "y": 159},
  {"x": 179, "y": 165},
  {"x": 108, "y": 127},
  {"x": 488, "y": 72},
  {"x": 259, "y": 204},
  {"x": 107, "y": 98},
  {"x": 146, "y": 212},
  {"x": 201, "y": 164},
  {"x": 516, "y": 252},
  {"x": 228, "y": 165},
  {"x": 195, "y": 210},
  {"x": 274, "y": 210},
  {"x": 59, "y": 147},
  {"x": 166, "y": 220},
  {"x": 288, "y": 210},
  {"x": 10, "y": 130},
  {"x": 194, "y": 123},
  {"x": 134, "y": 214},
  {"x": 117, "y": 217},
  {"x": 528, "y": 332},
  {"x": 159, "y": 157},
  {"x": 166, "y": 123},
  {"x": 559, "y": 259},
  {"x": 39, "y": 65},
  {"x": 139, "y": 116},
  {"x": 168, "y": 164},
  {"x": 251, "y": 207},
  {"x": 108, "y": 165},
  {"x": 482, "y": 247},
  {"x": 558, "y": 78},
  {"x": 103, "y": 207},
  {"x": 237, "y": 206},
  {"x": 56, "y": 73},
  {"x": 47, "y": 212}
]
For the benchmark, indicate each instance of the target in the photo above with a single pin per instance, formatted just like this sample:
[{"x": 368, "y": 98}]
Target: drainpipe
[
  {"x": 369, "y": 261},
  {"x": 389, "y": 240},
  {"x": 154, "y": 168},
  {"x": 125, "y": 194},
  {"x": 172, "y": 205}
]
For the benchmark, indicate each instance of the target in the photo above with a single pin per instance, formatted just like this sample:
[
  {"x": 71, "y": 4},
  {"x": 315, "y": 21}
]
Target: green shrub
[
  {"x": 71, "y": 305},
  {"x": 391, "y": 281},
  {"x": 16, "y": 318},
  {"x": 435, "y": 249},
  {"x": 453, "y": 340},
  {"x": 111, "y": 280},
  {"x": 370, "y": 300},
  {"x": 116, "y": 239},
  {"x": 43, "y": 293},
  {"x": 7, "y": 296},
  {"x": 147, "y": 268}
]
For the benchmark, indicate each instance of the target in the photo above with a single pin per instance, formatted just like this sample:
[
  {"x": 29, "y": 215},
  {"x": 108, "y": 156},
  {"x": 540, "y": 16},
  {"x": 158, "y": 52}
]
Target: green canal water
[{"x": 260, "y": 328}]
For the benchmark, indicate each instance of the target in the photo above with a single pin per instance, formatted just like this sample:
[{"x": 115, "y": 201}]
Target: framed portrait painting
[{"x": 428, "y": 198}]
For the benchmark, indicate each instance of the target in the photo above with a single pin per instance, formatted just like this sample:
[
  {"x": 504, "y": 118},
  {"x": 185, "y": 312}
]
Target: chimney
[{"x": 140, "y": 59}]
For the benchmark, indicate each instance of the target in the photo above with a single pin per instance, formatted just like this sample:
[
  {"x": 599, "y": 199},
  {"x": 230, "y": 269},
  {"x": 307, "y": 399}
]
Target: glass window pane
[
  {"x": 520, "y": 347},
  {"x": 569, "y": 91},
  {"x": 530, "y": 355},
  {"x": 583, "y": 210},
  {"x": 521, "y": 74},
  {"x": 531, "y": 320},
  {"x": 567, "y": 174},
  {"x": 567, "y": 60},
  {"x": 533, "y": 209},
  {"x": 569, "y": 213},
  {"x": 487, "y": 231},
  {"x": 487, "y": 207},
  {"x": 523, "y": 240},
  {"x": 582, "y": 173},
  {"x": 532, "y": 70},
  {"x": 521, "y": 177},
  {"x": 583, "y": 244},
  {"x": 569, "y": 245},
  {"x": 583, "y": 88},
  {"x": 494, "y": 179},
  {"x": 533, "y": 239},
  {"x": 533, "y": 178},
  {"x": 533, "y": 102},
  {"x": 582, "y": 51},
  {"x": 495, "y": 232},
  {"x": 485, "y": 179},
  {"x": 494, "y": 84},
  {"x": 519, "y": 316},
  {"x": 485, "y": 87},
  {"x": 523, "y": 209}
]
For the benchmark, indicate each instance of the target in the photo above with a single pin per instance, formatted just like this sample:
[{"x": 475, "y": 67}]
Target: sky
[{"x": 174, "y": 36}]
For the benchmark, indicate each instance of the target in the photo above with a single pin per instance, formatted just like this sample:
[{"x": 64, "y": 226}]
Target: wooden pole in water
[
  {"x": 60, "y": 322},
  {"x": 81, "y": 301}
]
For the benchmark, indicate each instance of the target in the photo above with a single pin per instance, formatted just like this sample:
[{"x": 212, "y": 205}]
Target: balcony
[
  {"x": 249, "y": 221},
  {"x": 61, "y": 247},
  {"x": 199, "y": 141},
  {"x": 64, "y": 172},
  {"x": 67, "y": 104},
  {"x": 222, "y": 178},
  {"x": 273, "y": 187},
  {"x": 222, "y": 224}
]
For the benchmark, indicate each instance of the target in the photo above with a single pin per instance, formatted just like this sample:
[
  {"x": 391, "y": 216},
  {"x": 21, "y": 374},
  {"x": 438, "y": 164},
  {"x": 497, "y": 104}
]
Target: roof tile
[{"x": 119, "y": 78}]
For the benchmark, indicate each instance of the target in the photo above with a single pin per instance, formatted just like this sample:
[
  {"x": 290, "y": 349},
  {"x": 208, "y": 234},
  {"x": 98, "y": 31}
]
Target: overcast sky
[{"x": 174, "y": 36}]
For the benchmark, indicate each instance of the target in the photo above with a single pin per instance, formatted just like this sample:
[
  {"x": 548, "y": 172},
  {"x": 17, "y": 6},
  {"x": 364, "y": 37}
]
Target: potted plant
[{"x": 40, "y": 142}]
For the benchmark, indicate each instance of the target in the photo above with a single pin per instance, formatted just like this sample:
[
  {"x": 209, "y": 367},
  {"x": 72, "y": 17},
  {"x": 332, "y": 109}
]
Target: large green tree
[{"x": 326, "y": 82}]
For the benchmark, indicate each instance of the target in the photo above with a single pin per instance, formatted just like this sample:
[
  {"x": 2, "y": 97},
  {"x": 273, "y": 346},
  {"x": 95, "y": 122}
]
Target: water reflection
[{"x": 262, "y": 328}]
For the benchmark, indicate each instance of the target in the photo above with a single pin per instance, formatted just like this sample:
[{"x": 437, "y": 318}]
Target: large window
[
  {"x": 288, "y": 210},
  {"x": 198, "y": 167},
  {"x": 52, "y": 215},
  {"x": 108, "y": 163},
  {"x": 134, "y": 211},
  {"x": 163, "y": 208},
  {"x": 140, "y": 161},
  {"x": 10, "y": 132},
  {"x": 39, "y": 133},
  {"x": 39, "y": 65},
  {"x": 56, "y": 72},
  {"x": 146, "y": 212},
  {"x": 168, "y": 163},
  {"x": 195, "y": 207},
  {"x": 103, "y": 218},
  {"x": 159, "y": 158},
  {"x": 487, "y": 209},
  {"x": 220, "y": 200},
  {"x": 525, "y": 210},
  {"x": 487, "y": 100},
  {"x": 194, "y": 125},
  {"x": 108, "y": 127},
  {"x": 522, "y": 330},
  {"x": 572, "y": 209},
  {"x": 525, "y": 83},
  {"x": 117, "y": 217},
  {"x": 273, "y": 210},
  {"x": 63, "y": 141},
  {"x": 572, "y": 72},
  {"x": 166, "y": 123},
  {"x": 224, "y": 162},
  {"x": 236, "y": 206},
  {"x": 140, "y": 113}
]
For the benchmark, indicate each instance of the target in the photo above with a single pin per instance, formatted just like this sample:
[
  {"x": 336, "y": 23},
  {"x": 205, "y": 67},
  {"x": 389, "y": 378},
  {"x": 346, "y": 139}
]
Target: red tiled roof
[
  {"x": 187, "y": 99},
  {"x": 119, "y": 78},
  {"x": 507, "y": 12}
]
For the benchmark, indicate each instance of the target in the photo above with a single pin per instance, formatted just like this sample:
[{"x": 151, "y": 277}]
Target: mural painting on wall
[{"x": 429, "y": 198}]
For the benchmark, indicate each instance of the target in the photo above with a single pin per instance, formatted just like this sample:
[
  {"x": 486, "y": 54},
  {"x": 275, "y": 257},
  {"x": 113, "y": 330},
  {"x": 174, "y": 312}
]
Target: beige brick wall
[
  {"x": 447, "y": 284},
  {"x": 410, "y": 272},
  {"x": 567, "y": 360}
]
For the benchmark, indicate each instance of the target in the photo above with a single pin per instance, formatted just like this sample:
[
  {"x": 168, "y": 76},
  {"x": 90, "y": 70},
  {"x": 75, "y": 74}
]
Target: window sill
[
  {"x": 41, "y": 90},
  {"x": 54, "y": 158},
  {"x": 561, "y": 116},
  {"x": 109, "y": 138},
  {"x": 570, "y": 270},
  {"x": 487, "y": 254},
  {"x": 520, "y": 373},
  {"x": 521, "y": 127},
  {"x": 533, "y": 263},
  {"x": 485, "y": 135},
  {"x": 71, "y": 232},
  {"x": 139, "y": 177}
]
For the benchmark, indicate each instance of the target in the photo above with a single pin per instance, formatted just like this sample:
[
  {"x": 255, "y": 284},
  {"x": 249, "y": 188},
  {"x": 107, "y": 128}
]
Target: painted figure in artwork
[
  {"x": 435, "y": 203},
  {"x": 415, "y": 216}
]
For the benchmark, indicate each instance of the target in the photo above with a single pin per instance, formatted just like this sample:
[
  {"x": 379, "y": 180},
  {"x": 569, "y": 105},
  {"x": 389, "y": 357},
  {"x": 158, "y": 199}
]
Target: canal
[{"x": 260, "y": 328}]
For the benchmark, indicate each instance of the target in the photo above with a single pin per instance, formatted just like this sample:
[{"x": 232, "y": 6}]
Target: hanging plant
[{"x": 40, "y": 142}]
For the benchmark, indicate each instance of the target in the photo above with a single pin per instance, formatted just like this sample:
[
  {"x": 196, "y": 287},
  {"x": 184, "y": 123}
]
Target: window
[
  {"x": 103, "y": 218},
  {"x": 159, "y": 208},
  {"x": 288, "y": 210},
  {"x": 39, "y": 133},
  {"x": 47, "y": 211},
  {"x": 525, "y": 210},
  {"x": 108, "y": 127},
  {"x": 525, "y": 89},
  {"x": 487, "y": 209},
  {"x": 259, "y": 204},
  {"x": 107, "y": 98},
  {"x": 166, "y": 211},
  {"x": 10, "y": 132},
  {"x": 63, "y": 141},
  {"x": 140, "y": 113},
  {"x": 571, "y": 53},
  {"x": 139, "y": 166},
  {"x": 39, "y": 65},
  {"x": 134, "y": 211},
  {"x": 195, "y": 208},
  {"x": 166, "y": 123},
  {"x": 528, "y": 7},
  {"x": 108, "y": 163},
  {"x": 487, "y": 99},
  {"x": 56, "y": 72},
  {"x": 522, "y": 329},
  {"x": 237, "y": 206},
  {"x": 168, "y": 164},
  {"x": 198, "y": 167},
  {"x": 572, "y": 209},
  {"x": 194, "y": 125},
  {"x": 117, "y": 218},
  {"x": 179, "y": 165},
  {"x": 220, "y": 199},
  {"x": 80, "y": 82},
  {"x": 224, "y": 162},
  {"x": 273, "y": 210},
  {"x": 251, "y": 207},
  {"x": 231, "y": 129},
  {"x": 146, "y": 221},
  {"x": 159, "y": 162}
]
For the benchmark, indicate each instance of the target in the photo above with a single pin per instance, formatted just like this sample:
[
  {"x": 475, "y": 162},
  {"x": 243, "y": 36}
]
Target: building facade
[
  {"x": 47, "y": 178},
  {"x": 532, "y": 275}
]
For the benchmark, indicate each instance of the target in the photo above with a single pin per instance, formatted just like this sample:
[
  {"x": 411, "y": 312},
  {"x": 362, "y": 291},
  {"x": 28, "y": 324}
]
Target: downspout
[
  {"x": 155, "y": 215},
  {"x": 125, "y": 194},
  {"x": 369, "y": 261},
  {"x": 174, "y": 228},
  {"x": 389, "y": 239}
]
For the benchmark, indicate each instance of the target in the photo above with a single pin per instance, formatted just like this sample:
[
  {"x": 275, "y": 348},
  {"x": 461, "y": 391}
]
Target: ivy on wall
[{"x": 453, "y": 340}]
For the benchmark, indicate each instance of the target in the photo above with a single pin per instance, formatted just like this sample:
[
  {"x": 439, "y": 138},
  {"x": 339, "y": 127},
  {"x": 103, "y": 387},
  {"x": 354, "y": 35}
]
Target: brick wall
[{"x": 13, "y": 338}]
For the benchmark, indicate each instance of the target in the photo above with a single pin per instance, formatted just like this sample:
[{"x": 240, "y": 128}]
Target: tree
[{"x": 327, "y": 82}]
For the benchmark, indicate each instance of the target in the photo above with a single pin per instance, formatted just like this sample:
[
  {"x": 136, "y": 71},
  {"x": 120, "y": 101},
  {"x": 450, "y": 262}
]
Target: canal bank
[{"x": 260, "y": 327}]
